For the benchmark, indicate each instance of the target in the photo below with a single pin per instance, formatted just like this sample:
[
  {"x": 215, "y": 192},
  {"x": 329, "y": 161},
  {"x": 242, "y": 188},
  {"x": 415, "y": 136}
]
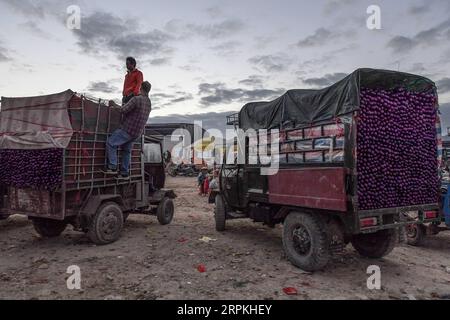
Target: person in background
[
  {"x": 202, "y": 177},
  {"x": 135, "y": 116},
  {"x": 133, "y": 81}
]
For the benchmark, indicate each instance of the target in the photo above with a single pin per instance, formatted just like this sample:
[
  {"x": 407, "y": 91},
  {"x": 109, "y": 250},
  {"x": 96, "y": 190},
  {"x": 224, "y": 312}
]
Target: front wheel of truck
[
  {"x": 376, "y": 245},
  {"x": 48, "y": 228},
  {"x": 106, "y": 225},
  {"x": 306, "y": 241}
]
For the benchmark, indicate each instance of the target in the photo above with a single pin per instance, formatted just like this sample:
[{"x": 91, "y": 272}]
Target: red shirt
[{"x": 133, "y": 83}]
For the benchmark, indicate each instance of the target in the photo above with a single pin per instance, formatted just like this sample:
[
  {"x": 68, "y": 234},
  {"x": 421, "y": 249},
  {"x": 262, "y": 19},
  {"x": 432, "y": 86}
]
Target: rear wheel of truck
[
  {"x": 165, "y": 211},
  {"x": 376, "y": 245},
  {"x": 48, "y": 228},
  {"x": 220, "y": 213},
  {"x": 305, "y": 241},
  {"x": 415, "y": 234},
  {"x": 106, "y": 225}
]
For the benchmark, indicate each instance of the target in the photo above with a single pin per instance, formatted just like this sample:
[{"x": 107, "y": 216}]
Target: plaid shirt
[{"x": 135, "y": 115}]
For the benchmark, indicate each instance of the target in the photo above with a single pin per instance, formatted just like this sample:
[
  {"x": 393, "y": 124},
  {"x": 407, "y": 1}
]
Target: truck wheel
[
  {"x": 220, "y": 214},
  {"x": 376, "y": 245},
  {"x": 106, "y": 225},
  {"x": 415, "y": 234},
  {"x": 48, "y": 228},
  {"x": 165, "y": 211},
  {"x": 305, "y": 241}
]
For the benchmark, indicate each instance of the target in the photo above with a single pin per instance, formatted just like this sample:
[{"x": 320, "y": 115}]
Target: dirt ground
[{"x": 245, "y": 262}]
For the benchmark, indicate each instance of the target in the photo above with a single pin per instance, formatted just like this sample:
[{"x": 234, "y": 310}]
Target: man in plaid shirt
[{"x": 135, "y": 115}]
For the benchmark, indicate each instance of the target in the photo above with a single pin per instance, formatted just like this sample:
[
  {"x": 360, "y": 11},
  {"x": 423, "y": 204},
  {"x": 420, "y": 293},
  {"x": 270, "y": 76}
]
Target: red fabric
[
  {"x": 206, "y": 186},
  {"x": 133, "y": 83}
]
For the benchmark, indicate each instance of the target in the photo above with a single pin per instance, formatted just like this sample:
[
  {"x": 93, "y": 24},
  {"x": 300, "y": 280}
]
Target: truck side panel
[{"x": 318, "y": 188}]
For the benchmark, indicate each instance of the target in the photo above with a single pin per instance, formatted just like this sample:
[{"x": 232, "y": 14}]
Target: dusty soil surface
[{"x": 151, "y": 261}]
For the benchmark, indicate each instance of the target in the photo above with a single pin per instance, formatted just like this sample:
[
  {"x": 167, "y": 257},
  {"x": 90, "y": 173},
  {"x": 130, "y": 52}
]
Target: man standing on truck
[
  {"x": 135, "y": 115},
  {"x": 133, "y": 81}
]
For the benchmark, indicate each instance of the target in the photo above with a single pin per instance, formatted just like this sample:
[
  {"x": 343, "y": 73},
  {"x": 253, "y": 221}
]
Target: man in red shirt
[{"x": 133, "y": 81}]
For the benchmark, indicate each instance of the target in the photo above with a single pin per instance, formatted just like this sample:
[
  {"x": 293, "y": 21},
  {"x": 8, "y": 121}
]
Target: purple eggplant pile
[
  {"x": 397, "y": 149},
  {"x": 35, "y": 169}
]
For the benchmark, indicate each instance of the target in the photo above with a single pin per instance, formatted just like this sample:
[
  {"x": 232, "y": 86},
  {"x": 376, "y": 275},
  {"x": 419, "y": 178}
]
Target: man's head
[
  {"x": 131, "y": 63},
  {"x": 146, "y": 88}
]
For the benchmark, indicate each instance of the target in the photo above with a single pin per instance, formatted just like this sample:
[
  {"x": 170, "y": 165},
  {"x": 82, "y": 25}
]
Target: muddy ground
[{"x": 245, "y": 262}]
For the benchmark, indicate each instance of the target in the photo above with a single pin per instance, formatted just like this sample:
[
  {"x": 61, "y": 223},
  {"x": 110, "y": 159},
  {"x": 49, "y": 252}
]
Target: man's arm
[{"x": 126, "y": 108}]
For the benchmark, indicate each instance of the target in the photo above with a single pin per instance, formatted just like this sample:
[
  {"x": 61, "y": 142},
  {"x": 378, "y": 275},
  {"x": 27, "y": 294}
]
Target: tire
[
  {"x": 306, "y": 241},
  {"x": 106, "y": 225},
  {"x": 48, "y": 228},
  {"x": 376, "y": 245},
  {"x": 172, "y": 172},
  {"x": 165, "y": 211},
  {"x": 3, "y": 217},
  {"x": 416, "y": 234},
  {"x": 220, "y": 214}
]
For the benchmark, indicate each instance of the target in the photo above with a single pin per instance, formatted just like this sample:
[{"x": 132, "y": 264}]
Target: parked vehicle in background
[
  {"x": 332, "y": 188},
  {"x": 416, "y": 234},
  {"x": 66, "y": 183}
]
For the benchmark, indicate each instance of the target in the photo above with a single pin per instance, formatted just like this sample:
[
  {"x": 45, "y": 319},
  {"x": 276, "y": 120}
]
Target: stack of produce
[
  {"x": 397, "y": 149},
  {"x": 36, "y": 169}
]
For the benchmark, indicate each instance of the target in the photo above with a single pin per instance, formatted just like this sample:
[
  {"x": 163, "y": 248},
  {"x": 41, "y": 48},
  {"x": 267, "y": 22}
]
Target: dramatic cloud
[
  {"x": 401, "y": 44},
  {"x": 253, "y": 81},
  {"x": 103, "y": 31},
  {"x": 160, "y": 61},
  {"x": 219, "y": 93},
  {"x": 326, "y": 80},
  {"x": 163, "y": 100},
  {"x": 429, "y": 37},
  {"x": 320, "y": 37},
  {"x": 443, "y": 85},
  {"x": 4, "y": 54},
  {"x": 102, "y": 87},
  {"x": 271, "y": 63},
  {"x": 420, "y": 9}
]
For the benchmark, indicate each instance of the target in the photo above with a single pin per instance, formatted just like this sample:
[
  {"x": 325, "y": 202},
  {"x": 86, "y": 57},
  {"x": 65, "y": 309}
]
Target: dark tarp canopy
[{"x": 305, "y": 107}]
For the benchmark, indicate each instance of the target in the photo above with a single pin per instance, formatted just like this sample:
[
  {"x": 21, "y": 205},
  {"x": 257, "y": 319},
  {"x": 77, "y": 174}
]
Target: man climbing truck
[{"x": 357, "y": 162}]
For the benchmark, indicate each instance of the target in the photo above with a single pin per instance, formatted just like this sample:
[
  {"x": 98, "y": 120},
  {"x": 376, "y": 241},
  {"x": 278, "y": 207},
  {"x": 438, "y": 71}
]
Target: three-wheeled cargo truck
[
  {"x": 343, "y": 158},
  {"x": 52, "y": 157}
]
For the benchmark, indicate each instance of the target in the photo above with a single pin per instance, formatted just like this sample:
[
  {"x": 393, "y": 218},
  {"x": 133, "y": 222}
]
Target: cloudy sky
[{"x": 206, "y": 58}]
